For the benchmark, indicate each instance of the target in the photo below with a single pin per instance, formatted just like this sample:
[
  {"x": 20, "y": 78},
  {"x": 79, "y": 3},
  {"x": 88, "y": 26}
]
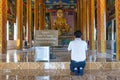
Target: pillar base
[
  {"x": 91, "y": 55},
  {"x": 101, "y": 60},
  {"x": 101, "y": 57}
]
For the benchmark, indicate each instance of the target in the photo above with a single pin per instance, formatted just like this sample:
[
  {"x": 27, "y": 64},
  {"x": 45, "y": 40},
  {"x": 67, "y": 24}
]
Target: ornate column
[
  {"x": 28, "y": 24},
  {"x": 19, "y": 23},
  {"x": 81, "y": 15},
  {"x": 92, "y": 25},
  {"x": 78, "y": 15},
  {"x": 87, "y": 19},
  {"x": 101, "y": 25},
  {"x": 41, "y": 15},
  {"x": 84, "y": 18},
  {"x": 117, "y": 10},
  {"x": 36, "y": 25},
  {"x": 3, "y": 26}
]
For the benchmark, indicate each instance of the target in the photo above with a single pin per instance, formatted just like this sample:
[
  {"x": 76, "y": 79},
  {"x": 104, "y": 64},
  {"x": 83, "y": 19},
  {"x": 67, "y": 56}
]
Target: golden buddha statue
[{"x": 60, "y": 23}]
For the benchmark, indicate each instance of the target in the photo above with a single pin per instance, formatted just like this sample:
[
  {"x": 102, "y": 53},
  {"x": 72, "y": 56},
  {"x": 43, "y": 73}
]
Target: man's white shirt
[{"x": 78, "y": 49}]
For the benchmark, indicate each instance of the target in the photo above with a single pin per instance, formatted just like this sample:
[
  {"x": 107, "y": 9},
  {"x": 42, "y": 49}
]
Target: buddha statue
[{"x": 60, "y": 23}]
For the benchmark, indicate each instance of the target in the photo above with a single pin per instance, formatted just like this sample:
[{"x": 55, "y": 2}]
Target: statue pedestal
[{"x": 64, "y": 40}]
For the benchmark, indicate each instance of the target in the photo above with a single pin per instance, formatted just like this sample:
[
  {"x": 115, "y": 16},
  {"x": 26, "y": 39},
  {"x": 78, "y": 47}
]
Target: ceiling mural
[{"x": 64, "y": 4}]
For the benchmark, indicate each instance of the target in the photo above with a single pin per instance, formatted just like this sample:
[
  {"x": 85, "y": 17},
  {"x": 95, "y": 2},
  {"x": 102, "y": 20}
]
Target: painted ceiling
[{"x": 65, "y": 4}]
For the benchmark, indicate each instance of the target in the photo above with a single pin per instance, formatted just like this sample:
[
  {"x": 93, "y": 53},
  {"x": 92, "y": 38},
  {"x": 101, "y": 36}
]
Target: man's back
[{"x": 78, "y": 49}]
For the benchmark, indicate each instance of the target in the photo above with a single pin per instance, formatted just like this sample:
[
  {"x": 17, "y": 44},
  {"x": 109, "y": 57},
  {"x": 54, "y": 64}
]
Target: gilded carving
[{"x": 60, "y": 23}]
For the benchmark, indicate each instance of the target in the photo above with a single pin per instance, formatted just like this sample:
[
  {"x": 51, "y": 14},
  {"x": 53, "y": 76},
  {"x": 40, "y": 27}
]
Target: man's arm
[
  {"x": 69, "y": 47},
  {"x": 87, "y": 54}
]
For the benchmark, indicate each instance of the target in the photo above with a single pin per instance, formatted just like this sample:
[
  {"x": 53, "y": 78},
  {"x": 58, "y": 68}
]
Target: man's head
[{"x": 77, "y": 34}]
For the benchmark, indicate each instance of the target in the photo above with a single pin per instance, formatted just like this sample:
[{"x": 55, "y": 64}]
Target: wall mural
[
  {"x": 11, "y": 10},
  {"x": 11, "y": 16},
  {"x": 110, "y": 10},
  {"x": 110, "y": 2},
  {"x": 110, "y": 14}
]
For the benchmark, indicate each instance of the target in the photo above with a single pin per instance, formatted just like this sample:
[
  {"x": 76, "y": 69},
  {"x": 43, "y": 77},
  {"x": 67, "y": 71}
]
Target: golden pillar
[
  {"x": 81, "y": 15},
  {"x": 84, "y": 18},
  {"x": 3, "y": 26},
  {"x": 19, "y": 19},
  {"x": 78, "y": 15},
  {"x": 36, "y": 19},
  {"x": 92, "y": 25},
  {"x": 29, "y": 25},
  {"x": 117, "y": 10},
  {"x": 101, "y": 25},
  {"x": 88, "y": 19},
  {"x": 41, "y": 15}
]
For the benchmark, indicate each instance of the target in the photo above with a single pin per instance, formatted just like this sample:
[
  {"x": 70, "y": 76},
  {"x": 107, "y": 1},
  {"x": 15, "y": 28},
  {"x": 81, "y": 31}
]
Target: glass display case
[{"x": 42, "y": 53}]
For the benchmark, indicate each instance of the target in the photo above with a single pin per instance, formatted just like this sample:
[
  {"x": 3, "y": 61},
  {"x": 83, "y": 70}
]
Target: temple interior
[{"x": 34, "y": 37}]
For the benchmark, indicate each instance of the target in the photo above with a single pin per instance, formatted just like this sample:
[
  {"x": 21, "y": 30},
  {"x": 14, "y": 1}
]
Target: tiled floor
[
  {"x": 107, "y": 71},
  {"x": 59, "y": 75},
  {"x": 57, "y": 55}
]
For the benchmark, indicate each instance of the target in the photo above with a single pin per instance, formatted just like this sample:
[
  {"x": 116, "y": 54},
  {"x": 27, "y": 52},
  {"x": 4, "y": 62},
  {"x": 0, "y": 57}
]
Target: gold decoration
[{"x": 60, "y": 23}]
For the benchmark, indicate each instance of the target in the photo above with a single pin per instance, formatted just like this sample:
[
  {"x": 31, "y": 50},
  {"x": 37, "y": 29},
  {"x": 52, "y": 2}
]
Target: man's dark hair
[{"x": 77, "y": 34}]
